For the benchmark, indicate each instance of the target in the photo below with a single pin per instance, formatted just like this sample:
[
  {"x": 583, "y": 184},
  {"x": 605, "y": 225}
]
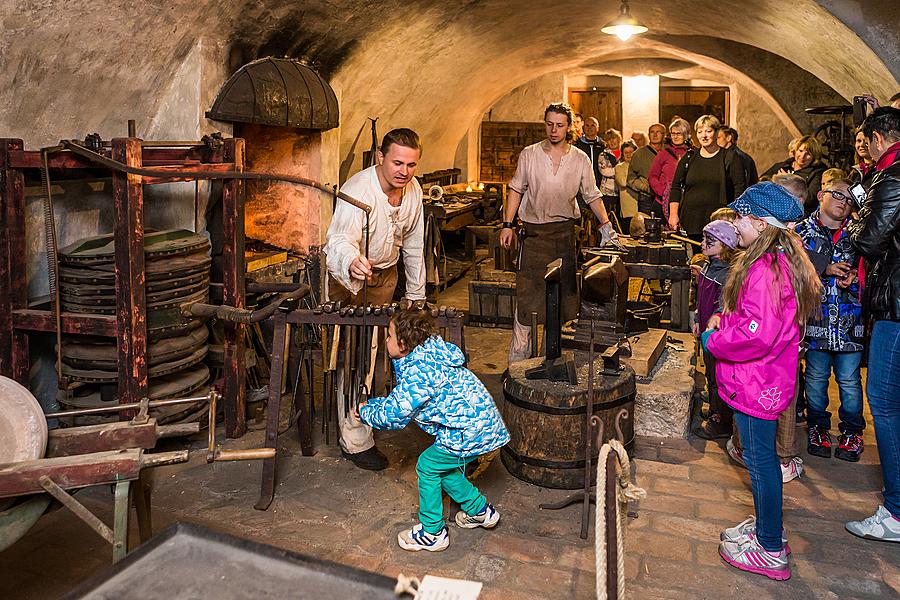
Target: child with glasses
[{"x": 835, "y": 335}]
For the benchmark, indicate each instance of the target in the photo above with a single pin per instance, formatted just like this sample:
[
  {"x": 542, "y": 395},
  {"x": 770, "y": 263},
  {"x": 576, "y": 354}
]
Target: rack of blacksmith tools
[{"x": 350, "y": 339}]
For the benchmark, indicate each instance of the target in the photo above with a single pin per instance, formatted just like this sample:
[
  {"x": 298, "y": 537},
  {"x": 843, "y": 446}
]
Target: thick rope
[
  {"x": 625, "y": 491},
  {"x": 407, "y": 585}
]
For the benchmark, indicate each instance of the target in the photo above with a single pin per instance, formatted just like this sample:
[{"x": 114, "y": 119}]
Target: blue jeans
[
  {"x": 758, "y": 439},
  {"x": 883, "y": 390},
  {"x": 819, "y": 364}
]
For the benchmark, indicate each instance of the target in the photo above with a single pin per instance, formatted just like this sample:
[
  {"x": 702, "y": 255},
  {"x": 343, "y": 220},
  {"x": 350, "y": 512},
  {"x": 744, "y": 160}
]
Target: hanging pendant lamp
[{"x": 624, "y": 26}]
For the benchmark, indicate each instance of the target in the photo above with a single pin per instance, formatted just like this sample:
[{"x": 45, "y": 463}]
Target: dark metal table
[{"x": 190, "y": 561}]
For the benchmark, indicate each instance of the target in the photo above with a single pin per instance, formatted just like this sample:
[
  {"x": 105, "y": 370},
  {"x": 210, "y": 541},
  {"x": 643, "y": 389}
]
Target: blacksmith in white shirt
[{"x": 396, "y": 226}]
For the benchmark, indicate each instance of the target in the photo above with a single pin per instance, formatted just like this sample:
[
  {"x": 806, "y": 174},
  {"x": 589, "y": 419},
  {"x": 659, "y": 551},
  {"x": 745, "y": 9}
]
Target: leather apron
[{"x": 542, "y": 244}]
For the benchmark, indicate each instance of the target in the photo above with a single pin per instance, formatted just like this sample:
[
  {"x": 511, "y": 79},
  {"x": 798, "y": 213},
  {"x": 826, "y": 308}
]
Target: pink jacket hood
[{"x": 757, "y": 347}]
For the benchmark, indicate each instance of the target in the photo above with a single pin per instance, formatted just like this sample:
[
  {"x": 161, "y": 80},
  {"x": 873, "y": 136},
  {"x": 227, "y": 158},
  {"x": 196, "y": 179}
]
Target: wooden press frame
[{"x": 129, "y": 325}]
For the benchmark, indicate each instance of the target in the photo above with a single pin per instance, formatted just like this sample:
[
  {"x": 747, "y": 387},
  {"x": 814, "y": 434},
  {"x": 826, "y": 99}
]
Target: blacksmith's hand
[
  {"x": 608, "y": 237},
  {"x": 506, "y": 237},
  {"x": 360, "y": 268}
]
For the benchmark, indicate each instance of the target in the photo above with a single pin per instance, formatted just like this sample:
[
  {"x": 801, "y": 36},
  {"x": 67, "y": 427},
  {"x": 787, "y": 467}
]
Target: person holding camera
[
  {"x": 835, "y": 335},
  {"x": 876, "y": 234}
]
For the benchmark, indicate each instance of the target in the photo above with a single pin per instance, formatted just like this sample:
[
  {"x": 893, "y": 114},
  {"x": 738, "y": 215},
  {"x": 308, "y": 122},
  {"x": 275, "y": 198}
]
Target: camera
[
  {"x": 858, "y": 193},
  {"x": 860, "y": 110}
]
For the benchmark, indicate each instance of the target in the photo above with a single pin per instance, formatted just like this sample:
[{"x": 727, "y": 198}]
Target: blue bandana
[{"x": 769, "y": 201}]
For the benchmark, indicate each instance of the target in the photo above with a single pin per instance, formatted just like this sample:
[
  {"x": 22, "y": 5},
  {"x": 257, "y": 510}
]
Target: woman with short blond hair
[
  {"x": 705, "y": 180},
  {"x": 805, "y": 161}
]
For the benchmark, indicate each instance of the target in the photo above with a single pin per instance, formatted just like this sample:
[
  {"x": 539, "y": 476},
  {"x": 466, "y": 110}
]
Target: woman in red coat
[{"x": 663, "y": 170}]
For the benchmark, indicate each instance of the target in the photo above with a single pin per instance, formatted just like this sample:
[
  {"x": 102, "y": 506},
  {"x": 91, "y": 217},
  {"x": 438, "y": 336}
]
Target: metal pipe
[
  {"x": 241, "y": 315},
  {"x": 115, "y": 165},
  {"x": 270, "y": 287},
  {"x": 101, "y": 410}
]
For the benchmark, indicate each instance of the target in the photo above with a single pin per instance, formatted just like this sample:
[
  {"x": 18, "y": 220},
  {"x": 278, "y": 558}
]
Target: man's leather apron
[{"x": 542, "y": 244}]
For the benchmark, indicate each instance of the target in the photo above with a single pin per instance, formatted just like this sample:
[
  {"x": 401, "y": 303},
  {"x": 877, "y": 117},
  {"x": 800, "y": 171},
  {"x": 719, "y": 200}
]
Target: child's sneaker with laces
[
  {"x": 746, "y": 528},
  {"x": 487, "y": 518},
  {"x": 417, "y": 538},
  {"x": 850, "y": 447},
  {"x": 748, "y": 555},
  {"x": 735, "y": 453},
  {"x": 818, "y": 442},
  {"x": 881, "y": 526},
  {"x": 792, "y": 469}
]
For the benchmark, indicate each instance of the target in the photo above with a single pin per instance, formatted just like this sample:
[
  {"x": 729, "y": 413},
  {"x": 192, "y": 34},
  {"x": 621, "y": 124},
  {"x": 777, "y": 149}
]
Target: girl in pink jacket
[{"x": 770, "y": 292}]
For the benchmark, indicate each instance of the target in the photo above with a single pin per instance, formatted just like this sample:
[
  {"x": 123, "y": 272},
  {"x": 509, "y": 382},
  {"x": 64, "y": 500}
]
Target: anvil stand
[
  {"x": 610, "y": 485},
  {"x": 555, "y": 367}
]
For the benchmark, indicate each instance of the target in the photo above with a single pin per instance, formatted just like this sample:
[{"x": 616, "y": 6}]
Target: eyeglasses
[{"x": 841, "y": 196}]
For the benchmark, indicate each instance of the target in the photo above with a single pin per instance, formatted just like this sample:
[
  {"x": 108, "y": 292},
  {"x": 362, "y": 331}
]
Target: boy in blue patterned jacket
[
  {"x": 449, "y": 402},
  {"x": 835, "y": 336}
]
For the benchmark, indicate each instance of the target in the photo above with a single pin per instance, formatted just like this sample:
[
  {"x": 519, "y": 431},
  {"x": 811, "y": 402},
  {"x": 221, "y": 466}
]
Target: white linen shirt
[
  {"x": 547, "y": 198},
  {"x": 391, "y": 229}
]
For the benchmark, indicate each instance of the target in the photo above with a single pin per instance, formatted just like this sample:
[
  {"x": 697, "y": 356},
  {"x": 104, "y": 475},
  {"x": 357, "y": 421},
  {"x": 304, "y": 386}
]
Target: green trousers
[{"x": 440, "y": 471}]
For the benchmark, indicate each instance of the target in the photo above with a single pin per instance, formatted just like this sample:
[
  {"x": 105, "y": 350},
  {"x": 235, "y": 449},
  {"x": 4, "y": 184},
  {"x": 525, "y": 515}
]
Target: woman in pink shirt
[{"x": 663, "y": 170}]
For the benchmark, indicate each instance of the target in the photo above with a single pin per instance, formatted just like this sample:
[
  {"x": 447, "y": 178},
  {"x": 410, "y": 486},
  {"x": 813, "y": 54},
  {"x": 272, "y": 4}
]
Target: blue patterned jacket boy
[
  {"x": 445, "y": 399},
  {"x": 839, "y": 327}
]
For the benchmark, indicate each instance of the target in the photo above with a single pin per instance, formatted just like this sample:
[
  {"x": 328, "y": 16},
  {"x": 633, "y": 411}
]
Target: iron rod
[{"x": 120, "y": 407}]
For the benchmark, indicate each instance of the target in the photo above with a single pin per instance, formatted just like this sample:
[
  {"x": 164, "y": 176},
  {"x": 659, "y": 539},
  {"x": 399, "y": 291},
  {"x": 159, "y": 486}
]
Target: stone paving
[{"x": 327, "y": 508}]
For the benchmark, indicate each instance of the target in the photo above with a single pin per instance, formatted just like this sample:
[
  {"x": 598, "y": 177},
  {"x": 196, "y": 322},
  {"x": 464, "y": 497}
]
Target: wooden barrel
[{"x": 546, "y": 421}]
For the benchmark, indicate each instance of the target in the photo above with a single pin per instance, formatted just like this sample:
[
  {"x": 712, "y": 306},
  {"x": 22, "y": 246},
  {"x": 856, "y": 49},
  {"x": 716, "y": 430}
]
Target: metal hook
[
  {"x": 598, "y": 424},
  {"x": 623, "y": 414}
]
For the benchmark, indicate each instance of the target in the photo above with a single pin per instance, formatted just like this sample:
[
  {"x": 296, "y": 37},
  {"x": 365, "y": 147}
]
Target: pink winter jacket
[{"x": 757, "y": 347}]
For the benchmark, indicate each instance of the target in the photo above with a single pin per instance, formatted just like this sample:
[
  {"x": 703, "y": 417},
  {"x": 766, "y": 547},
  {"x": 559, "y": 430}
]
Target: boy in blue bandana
[{"x": 449, "y": 402}]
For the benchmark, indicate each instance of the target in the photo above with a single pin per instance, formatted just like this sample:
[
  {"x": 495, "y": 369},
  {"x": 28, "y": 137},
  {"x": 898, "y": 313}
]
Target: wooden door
[{"x": 603, "y": 104}]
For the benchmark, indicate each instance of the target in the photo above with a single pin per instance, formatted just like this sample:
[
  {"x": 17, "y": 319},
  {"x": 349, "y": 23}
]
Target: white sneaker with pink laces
[{"x": 748, "y": 555}]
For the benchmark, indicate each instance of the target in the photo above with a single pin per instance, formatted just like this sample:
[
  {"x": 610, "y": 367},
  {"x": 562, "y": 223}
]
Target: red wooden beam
[
  {"x": 131, "y": 303},
  {"x": 30, "y": 319},
  {"x": 233, "y": 279},
  {"x": 14, "y": 359},
  {"x": 18, "y": 479}
]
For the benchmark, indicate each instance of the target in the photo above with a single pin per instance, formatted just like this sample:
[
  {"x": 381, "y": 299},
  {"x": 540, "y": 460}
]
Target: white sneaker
[
  {"x": 487, "y": 518},
  {"x": 880, "y": 526},
  {"x": 748, "y": 555},
  {"x": 745, "y": 529},
  {"x": 792, "y": 469},
  {"x": 735, "y": 454},
  {"x": 417, "y": 538}
]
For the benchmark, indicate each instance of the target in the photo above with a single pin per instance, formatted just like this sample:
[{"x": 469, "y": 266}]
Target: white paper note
[{"x": 443, "y": 588}]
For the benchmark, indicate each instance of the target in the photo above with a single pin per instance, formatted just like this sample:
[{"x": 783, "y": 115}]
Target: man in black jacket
[
  {"x": 877, "y": 237},
  {"x": 728, "y": 137}
]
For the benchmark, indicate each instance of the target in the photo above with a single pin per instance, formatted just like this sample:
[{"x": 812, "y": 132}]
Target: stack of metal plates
[{"x": 177, "y": 268}]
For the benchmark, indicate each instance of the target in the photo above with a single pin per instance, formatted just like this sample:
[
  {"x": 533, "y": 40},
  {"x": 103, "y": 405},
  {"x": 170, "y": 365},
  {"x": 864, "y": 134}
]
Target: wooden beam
[
  {"x": 14, "y": 359},
  {"x": 69, "y": 472},
  {"x": 233, "y": 270},
  {"x": 30, "y": 319},
  {"x": 73, "y": 441},
  {"x": 131, "y": 304}
]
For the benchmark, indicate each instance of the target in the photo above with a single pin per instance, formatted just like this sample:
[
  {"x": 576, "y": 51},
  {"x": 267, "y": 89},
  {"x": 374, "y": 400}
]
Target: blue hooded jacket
[{"x": 446, "y": 400}]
